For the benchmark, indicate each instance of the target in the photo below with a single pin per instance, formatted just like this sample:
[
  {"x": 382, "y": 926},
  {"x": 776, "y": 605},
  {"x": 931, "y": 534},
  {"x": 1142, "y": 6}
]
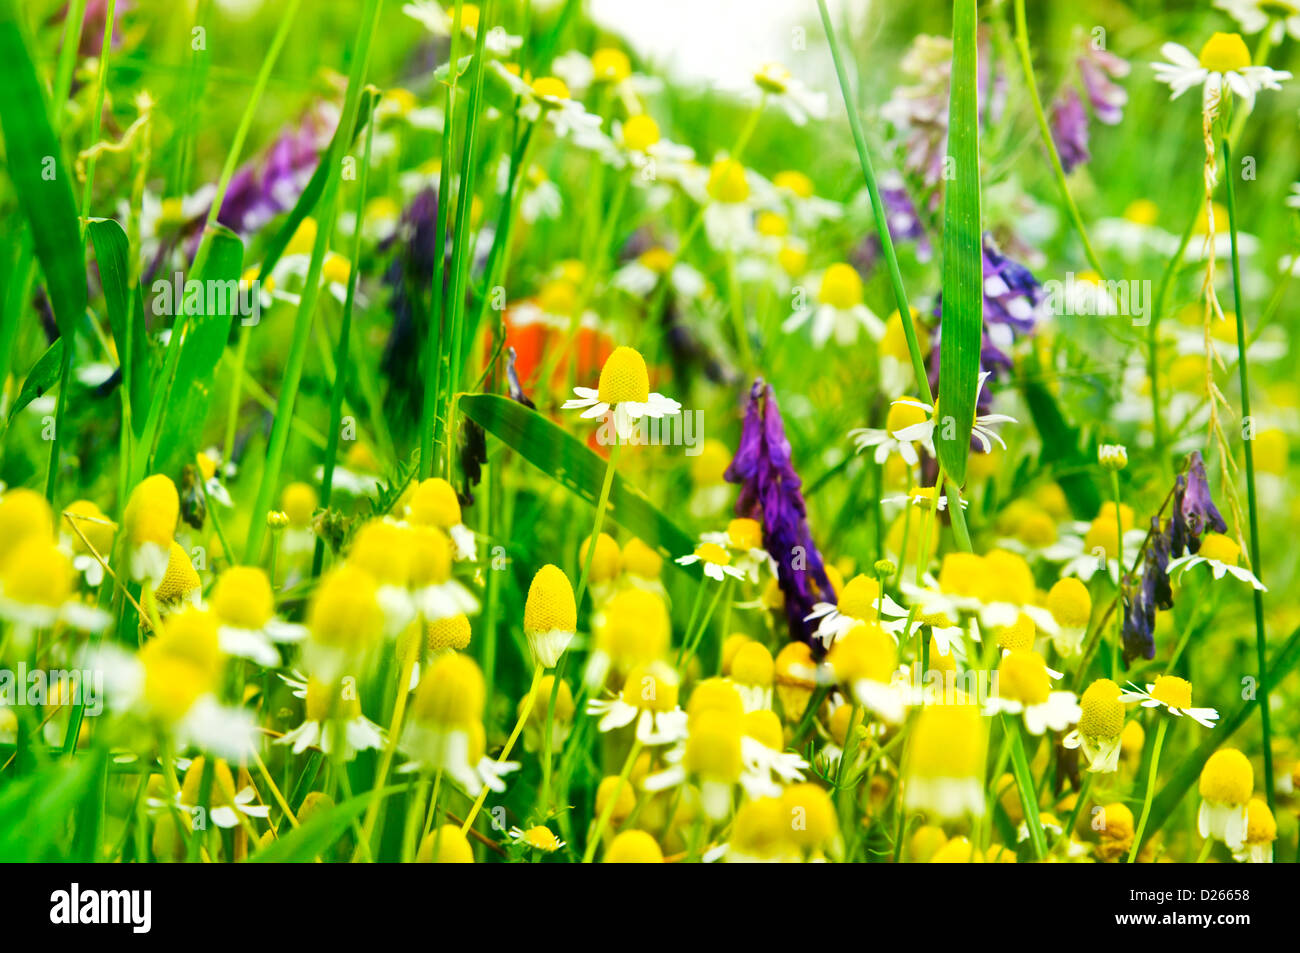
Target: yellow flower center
[
  {"x": 753, "y": 665},
  {"x": 325, "y": 702},
  {"x": 624, "y": 377},
  {"x": 38, "y": 574},
  {"x": 1225, "y": 53},
  {"x": 635, "y": 629},
  {"x": 713, "y": 747},
  {"x": 727, "y": 182},
  {"x": 451, "y": 633},
  {"x": 299, "y": 502},
  {"x": 857, "y": 598},
  {"x": 745, "y": 533},
  {"x": 894, "y": 343},
  {"x": 1220, "y": 548},
  {"x": 760, "y": 827},
  {"x": 793, "y": 259},
  {"x": 96, "y": 527},
  {"x": 772, "y": 225},
  {"x": 1261, "y": 827},
  {"x": 773, "y": 78},
  {"x": 223, "y": 784},
  {"x": 24, "y": 513},
  {"x": 1172, "y": 691},
  {"x": 864, "y": 652},
  {"x": 640, "y": 560},
  {"x": 651, "y": 688},
  {"x": 451, "y": 693},
  {"x": 610, "y": 65},
  {"x": 550, "y": 605},
  {"x": 1023, "y": 677},
  {"x": 304, "y": 238},
  {"x": 152, "y": 511},
  {"x": 1070, "y": 603},
  {"x": 434, "y": 503},
  {"x": 903, "y": 414},
  {"x": 430, "y": 552},
  {"x": 453, "y": 846},
  {"x": 1227, "y": 777},
  {"x": 640, "y": 133},
  {"x": 1103, "y": 712},
  {"x": 634, "y": 847},
  {"x": 541, "y": 838},
  {"x": 841, "y": 287},
  {"x": 344, "y": 611},
  {"x": 242, "y": 597},
  {"x": 384, "y": 550},
  {"x": 606, "y": 562},
  {"x": 1019, "y": 636},
  {"x": 551, "y": 87},
  {"x": 795, "y": 181},
  {"x": 809, "y": 814},
  {"x": 180, "y": 579},
  {"x": 713, "y": 553},
  {"x": 715, "y": 694},
  {"x": 658, "y": 260}
]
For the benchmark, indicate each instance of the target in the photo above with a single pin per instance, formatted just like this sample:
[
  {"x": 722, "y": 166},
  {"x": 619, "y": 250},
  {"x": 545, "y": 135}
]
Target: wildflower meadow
[{"x": 570, "y": 431}]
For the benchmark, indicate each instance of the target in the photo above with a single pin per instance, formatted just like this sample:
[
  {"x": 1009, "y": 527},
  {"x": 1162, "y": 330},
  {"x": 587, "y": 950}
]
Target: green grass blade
[
  {"x": 43, "y": 375},
  {"x": 41, "y": 179},
  {"x": 963, "y": 279},
  {"x": 1062, "y": 450},
  {"x": 304, "y": 844},
  {"x": 125, "y": 314},
  {"x": 570, "y": 463}
]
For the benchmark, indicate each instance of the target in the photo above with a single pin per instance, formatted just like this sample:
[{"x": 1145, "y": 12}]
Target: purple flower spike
[
  {"x": 1070, "y": 129},
  {"x": 769, "y": 493},
  {"x": 1194, "y": 509}
]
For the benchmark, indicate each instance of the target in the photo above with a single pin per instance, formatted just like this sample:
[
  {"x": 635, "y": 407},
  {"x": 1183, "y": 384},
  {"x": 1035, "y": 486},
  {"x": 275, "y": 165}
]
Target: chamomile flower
[
  {"x": 1070, "y": 604},
  {"x": 727, "y": 196},
  {"x": 631, "y": 630},
  {"x": 434, "y": 503},
  {"x": 36, "y": 591},
  {"x": 445, "y": 731},
  {"x": 1174, "y": 694},
  {"x": 796, "y": 679},
  {"x": 925, "y": 497},
  {"x": 648, "y": 699},
  {"x": 713, "y": 757},
  {"x": 224, "y": 802},
  {"x": 624, "y": 387},
  {"x": 640, "y": 276},
  {"x": 752, "y": 669},
  {"x": 152, "y": 512},
  {"x": 865, "y": 658},
  {"x": 540, "y": 838},
  {"x": 767, "y": 766},
  {"x": 333, "y": 720},
  {"x": 744, "y": 538},
  {"x": 298, "y": 501},
  {"x": 1261, "y": 831},
  {"x": 1100, "y": 727},
  {"x": 642, "y": 566},
  {"x": 345, "y": 620},
  {"x": 441, "y": 21},
  {"x": 980, "y": 431},
  {"x": 606, "y": 565},
  {"x": 633, "y": 847},
  {"x": 1223, "y": 64},
  {"x": 945, "y": 766},
  {"x": 447, "y": 845},
  {"x": 1024, "y": 686},
  {"x": 1221, "y": 554},
  {"x": 715, "y": 560},
  {"x": 93, "y": 535},
  {"x": 860, "y": 601},
  {"x": 839, "y": 311},
  {"x": 1279, "y": 17},
  {"x": 905, "y": 413},
  {"x": 550, "y": 615},
  {"x": 1086, "y": 548},
  {"x": 1226, "y": 784},
  {"x": 799, "y": 102},
  {"x": 245, "y": 607}
]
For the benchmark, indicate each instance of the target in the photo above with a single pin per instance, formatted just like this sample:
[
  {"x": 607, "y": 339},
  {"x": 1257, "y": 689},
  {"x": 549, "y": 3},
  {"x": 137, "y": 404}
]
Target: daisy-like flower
[
  {"x": 798, "y": 101},
  {"x": 1101, "y": 725},
  {"x": 1221, "y": 554},
  {"x": 715, "y": 559},
  {"x": 550, "y": 615},
  {"x": 1261, "y": 831},
  {"x": 1223, "y": 63},
  {"x": 860, "y": 601},
  {"x": 1088, "y": 547},
  {"x": 624, "y": 387},
  {"x": 767, "y": 766},
  {"x": 642, "y": 566},
  {"x": 345, "y": 619},
  {"x": 728, "y": 196},
  {"x": 926, "y": 497},
  {"x": 632, "y": 629},
  {"x": 333, "y": 719},
  {"x": 865, "y": 658},
  {"x": 840, "y": 310},
  {"x": 945, "y": 766},
  {"x": 539, "y": 838},
  {"x": 1226, "y": 784},
  {"x": 447, "y": 845},
  {"x": 440, "y": 22},
  {"x": 434, "y": 503},
  {"x": 924, "y": 431},
  {"x": 642, "y": 275},
  {"x": 298, "y": 502},
  {"x": 93, "y": 535},
  {"x": 713, "y": 757},
  {"x": 445, "y": 731},
  {"x": 152, "y": 512},
  {"x": 225, "y": 803},
  {"x": 751, "y": 669},
  {"x": 549, "y": 99},
  {"x": 1024, "y": 686},
  {"x": 810, "y": 210},
  {"x": 1070, "y": 604},
  {"x": 1279, "y": 17},
  {"x": 180, "y": 586},
  {"x": 744, "y": 538},
  {"x": 648, "y": 698},
  {"x": 1174, "y": 694},
  {"x": 37, "y": 590},
  {"x": 245, "y": 608},
  {"x": 905, "y": 414},
  {"x": 1112, "y": 456}
]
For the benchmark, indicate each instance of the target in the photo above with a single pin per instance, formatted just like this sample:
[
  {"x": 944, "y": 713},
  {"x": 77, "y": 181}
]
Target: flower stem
[
  {"x": 603, "y": 821},
  {"x": 1117, "y": 651},
  {"x": 1025, "y": 786},
  {"x": 524, "y": 712},
  {"x": 1255, "y": 566},
  {"x": 1151, "y": 788}
]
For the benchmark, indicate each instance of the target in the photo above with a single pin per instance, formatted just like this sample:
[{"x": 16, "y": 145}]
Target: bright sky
[{"x": 714, "y": 41}]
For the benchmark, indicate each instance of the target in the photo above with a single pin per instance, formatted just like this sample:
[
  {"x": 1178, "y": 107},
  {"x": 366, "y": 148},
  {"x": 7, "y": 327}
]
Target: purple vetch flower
[
  {"x": 904, "y": 225},
  {"x": 1194, "y": 509},
  {"x": 1138, "y": 633},
  {"x": 264, "y": 187},
  {"x": 408, "y": 279},
  {"x": 1013, "y": 300},
  {"x": 1070, "y": 129},
  {"x": 770, "y": 493},
  {"x": 1099, "y": 69}
]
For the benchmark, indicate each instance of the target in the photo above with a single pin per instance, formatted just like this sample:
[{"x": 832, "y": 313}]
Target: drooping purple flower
[
  {"x": 1070, "y": 129},
  {"x": 770, "y": 493},
  {"x": 1099, "y": 69},
  {"x": 904, "y": 225},
  {"x": 1194, "y": 509},
  {"x": 1013, "y": 301},
  {"x": 268, "y": 185},
  {"x": 1138, "y": 633}
]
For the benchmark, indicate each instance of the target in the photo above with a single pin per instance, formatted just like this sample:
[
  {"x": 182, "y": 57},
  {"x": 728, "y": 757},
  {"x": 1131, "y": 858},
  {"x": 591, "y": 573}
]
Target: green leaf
[
  {"x": 40, "y": 177},
  {"x": 43, "y": 375},
  {"x": 565, "y": 459},
  {"x": 305, "y": 843},
  {"x": 207, "y": 332},
  {"x": 963, "y": 264},
  {"x": 35, "y": 811},
  {"x": 1062, "y": 451},
  {"x": 125, "y": 316},
  {"x": 1189, "y": 769}
]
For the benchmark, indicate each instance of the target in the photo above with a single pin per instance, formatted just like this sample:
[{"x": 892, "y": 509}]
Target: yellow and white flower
[
  {"x": 1174, "y": 694},
  {"x": 624, "y": 387},
  {"x": 840, "y": 310},
  {"x": 1221, "y": 554}
]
